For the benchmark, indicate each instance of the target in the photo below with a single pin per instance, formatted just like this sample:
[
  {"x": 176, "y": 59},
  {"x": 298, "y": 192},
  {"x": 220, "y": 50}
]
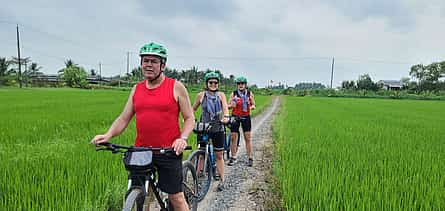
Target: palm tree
[
  {"x": 4, "y": 67},
  {"x": 34, "y": 69},
  {"x": 69, "y": 63},
  {"x": 4, "y": 70}
]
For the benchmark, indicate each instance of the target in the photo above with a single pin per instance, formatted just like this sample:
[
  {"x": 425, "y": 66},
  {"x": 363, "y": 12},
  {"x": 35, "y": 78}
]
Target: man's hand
[
  {"x": 104, "y": 138},
  {"x": 179, "y": 145},
  {"x": 252, "y": 107}
]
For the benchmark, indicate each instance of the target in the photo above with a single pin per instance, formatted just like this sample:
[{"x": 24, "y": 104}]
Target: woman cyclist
[
  {"x": 241, "y": 102},
  {"x": 214, "y": 110}
]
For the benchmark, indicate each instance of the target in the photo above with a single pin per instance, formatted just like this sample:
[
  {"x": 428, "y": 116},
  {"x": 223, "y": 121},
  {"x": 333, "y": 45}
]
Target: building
[{"x": 390, "y": 84}]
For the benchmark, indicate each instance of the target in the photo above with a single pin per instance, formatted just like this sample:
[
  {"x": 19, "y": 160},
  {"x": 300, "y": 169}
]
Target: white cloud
[{"x": 289, "y": 41}]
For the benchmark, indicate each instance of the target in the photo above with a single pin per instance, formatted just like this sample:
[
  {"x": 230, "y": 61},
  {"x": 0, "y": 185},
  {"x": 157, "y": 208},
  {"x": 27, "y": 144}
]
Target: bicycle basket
[
  {"x": 137, "y": 161},
  {"x": 201, "y": 127}
]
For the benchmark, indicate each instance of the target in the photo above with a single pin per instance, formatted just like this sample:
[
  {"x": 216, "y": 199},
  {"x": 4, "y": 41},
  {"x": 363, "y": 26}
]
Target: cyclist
[
  {"x": 214, "y": 109},
  {"x": 241, "y": 101},
  {"x": 156, "y": 103}
]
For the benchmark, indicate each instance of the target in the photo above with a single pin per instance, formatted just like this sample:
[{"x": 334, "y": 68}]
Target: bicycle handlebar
[{"x": 115, "y": 148}]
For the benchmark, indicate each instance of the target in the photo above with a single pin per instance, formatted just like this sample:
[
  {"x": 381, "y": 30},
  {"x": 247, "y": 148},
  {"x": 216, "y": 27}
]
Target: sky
[{"x": 287, "y": 41}]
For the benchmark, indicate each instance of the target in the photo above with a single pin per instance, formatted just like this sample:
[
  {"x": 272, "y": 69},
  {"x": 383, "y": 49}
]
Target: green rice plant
[
  {"x": 360, "y": 154},
  {"x": 47, "y": 161}
]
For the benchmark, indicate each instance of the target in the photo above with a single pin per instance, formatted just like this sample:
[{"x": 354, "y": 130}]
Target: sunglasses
[
  {"x": 213, "y": 82},
  {"x": 240, "y": 83}
]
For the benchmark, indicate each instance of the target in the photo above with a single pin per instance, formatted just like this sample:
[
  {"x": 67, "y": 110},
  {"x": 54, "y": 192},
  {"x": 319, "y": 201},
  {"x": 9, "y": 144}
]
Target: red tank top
[
  {"x": 238, "y": 109},
  {"x": 157, "y": 114}
]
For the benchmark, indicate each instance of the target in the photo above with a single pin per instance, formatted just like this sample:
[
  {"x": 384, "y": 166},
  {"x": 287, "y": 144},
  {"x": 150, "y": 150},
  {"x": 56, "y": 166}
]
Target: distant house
[{"x": 390, "y": 84}]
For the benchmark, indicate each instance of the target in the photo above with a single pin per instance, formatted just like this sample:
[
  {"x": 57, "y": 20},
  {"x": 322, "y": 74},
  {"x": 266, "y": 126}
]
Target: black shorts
[
  {"x": 245, "y": 123},
  {"x": 169, "y": 168},
  {"x": 217, "y": 140}
]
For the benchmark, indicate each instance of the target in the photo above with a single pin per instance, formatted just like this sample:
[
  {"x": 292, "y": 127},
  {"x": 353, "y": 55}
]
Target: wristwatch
[{"x": 184, "y": 138}]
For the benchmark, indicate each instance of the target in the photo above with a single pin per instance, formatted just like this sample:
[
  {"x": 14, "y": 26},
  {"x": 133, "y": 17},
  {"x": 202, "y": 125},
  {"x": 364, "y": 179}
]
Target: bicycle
[
  {"x": 142, "y": 176},
  {"x": 204, "y": 159}
]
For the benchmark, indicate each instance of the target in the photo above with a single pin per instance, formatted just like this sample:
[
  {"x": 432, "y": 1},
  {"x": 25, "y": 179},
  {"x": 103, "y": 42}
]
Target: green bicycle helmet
[
  {"x": 241, "y": 79},
  {"x": 210, "y": 75},
  {"x": 154, "y": 49}
]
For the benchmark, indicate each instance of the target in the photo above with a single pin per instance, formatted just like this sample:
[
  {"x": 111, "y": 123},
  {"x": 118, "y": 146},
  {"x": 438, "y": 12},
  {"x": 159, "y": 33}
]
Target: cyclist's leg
[
  {"x": 170, "y": 178},
  {"x": 234, "y": 145},
  {"x": 178, "y": 201},
  {"x": 247, "y": 126},
  {"x": 218, "y": 147}
]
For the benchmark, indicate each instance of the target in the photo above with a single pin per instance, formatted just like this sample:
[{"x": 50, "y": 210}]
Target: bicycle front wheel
[
  {"x": 203, "y": 171},
  {"x": 134, "y": 200},
  {"x": 190, "y": 185}
]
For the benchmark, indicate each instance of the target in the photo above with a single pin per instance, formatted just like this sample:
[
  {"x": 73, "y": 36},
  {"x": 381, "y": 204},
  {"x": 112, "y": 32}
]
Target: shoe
[
  {"x": 216, "y": 177},
  {"x": 231, "y": 161},
  {"x": 250, "y": 162},
  {"x": 220, "y": 186}
]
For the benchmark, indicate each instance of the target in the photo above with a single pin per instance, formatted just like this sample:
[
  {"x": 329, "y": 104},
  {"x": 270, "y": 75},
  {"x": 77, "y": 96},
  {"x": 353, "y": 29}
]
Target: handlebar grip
[{"x": 188, "y": 148}]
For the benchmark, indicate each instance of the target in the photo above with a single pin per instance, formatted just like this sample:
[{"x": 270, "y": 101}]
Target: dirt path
[{"x": 245, "y": 186}]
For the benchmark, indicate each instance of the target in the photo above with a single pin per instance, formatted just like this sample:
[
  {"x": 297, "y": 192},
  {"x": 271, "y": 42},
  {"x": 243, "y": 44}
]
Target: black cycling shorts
[
  {"x": 217, "y": 140},
  {"x": 169, "y": 169},
  {"x": 245, "y": 123}
]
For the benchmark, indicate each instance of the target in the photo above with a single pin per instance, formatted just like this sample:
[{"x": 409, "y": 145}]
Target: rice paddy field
[
  {"x": 47, "y": 162},
  {"x": 360, "y": 154}
]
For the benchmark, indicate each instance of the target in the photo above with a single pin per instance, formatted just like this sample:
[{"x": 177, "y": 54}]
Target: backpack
[{"x": 235, "y": 93}]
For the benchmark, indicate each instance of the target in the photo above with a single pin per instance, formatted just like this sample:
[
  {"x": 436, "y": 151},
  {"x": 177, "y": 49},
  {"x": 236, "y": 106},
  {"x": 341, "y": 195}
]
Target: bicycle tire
[
  {"x": 190, "y": 185},
  {"x": 134, "y": 200},
  {"x": 204, "y": 178}
]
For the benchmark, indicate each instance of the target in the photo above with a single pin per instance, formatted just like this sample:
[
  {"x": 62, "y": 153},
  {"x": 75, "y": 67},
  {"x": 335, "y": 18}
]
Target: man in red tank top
[{"x": 156, "y": 103}]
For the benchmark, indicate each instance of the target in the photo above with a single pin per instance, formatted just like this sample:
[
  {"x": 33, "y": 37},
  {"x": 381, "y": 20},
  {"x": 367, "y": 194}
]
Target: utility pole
[
  {"x": 128, "y": 63},
  {"x": 128, "y": 66},
  {"x": 18, "y": 55},
  {"x": 100, "y": 74},
  {"x": 332, "y": 71}
]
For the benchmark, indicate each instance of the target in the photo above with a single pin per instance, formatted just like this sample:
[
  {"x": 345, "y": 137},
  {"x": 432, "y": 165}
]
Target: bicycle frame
[
  {"x": 209, "y": 154},
  {"x": 142, "y": 179},
  {"x": 149, "y": 181}
]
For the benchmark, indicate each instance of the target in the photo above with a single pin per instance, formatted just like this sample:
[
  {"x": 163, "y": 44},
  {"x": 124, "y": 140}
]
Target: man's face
[
  {"x": 151, "y": 66},
  {"x": 241, "y": 85}
]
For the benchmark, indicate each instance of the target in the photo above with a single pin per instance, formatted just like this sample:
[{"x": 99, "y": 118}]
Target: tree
[
  {"x": 73, "y": 75},
  {"x": 69, "y": 63},
  {"x": 365, "y": 82},
  {"x": 349, "y": 85},
  {"x": 429, "y": 75},
  {"x": 18, "y": 63},
  {"x": 93, "y": 72},
  {"x": 405, "y": 82},
  {"x": 172, "y": 73},
  {"x": 4, "y": 70},
  {"x": 33, "y": 71},
  {"x": 418, "y": 71}
]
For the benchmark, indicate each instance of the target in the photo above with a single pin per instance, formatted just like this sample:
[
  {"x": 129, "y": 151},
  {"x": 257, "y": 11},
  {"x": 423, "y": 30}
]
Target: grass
[
  {"x": 47, "y": 161},
  {"x": 361, "y": 154}
]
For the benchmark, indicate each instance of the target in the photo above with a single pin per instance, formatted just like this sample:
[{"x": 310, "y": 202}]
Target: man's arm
[
  {"x": 186, "y": 110},
  {"x": 119, "y": 124}
]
